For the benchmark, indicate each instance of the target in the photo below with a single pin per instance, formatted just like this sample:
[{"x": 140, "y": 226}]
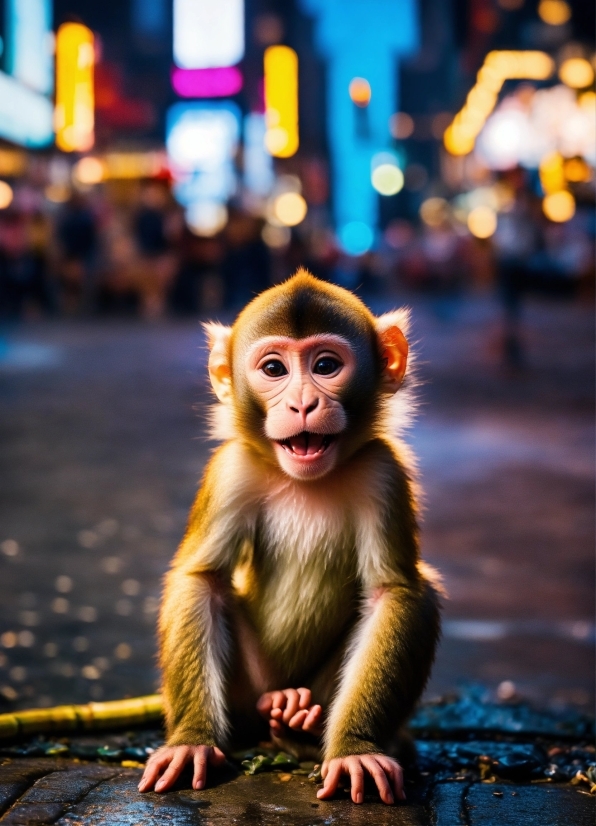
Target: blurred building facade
[{"x": 404, "y": 169}]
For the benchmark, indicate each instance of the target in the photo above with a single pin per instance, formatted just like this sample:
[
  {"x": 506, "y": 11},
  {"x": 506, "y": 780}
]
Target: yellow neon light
[
  {"x": 75, "y": 103},
  {"x": 281, "y": 101},
  {"x": 499, "y": 66}
]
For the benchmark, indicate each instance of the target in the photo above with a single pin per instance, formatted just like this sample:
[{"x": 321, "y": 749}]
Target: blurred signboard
[
  {"x": 26, "y": 112},
  {"x": 26, "y": 117},
  {"x": 208, "y": 35}
]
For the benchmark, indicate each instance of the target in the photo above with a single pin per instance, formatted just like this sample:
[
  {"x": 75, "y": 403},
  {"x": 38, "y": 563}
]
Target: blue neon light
[{"x": 360, "y": 39}]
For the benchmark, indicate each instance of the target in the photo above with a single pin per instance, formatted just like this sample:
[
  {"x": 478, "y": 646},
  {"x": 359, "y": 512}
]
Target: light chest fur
[{"x": 301, "y": 572}]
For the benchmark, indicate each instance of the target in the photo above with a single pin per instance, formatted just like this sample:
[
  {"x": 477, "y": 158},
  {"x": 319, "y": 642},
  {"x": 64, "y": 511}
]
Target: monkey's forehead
[{"x": 301, "y": 308}]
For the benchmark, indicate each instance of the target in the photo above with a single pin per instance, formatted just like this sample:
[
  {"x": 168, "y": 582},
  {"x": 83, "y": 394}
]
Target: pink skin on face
[{"x": 300, "y": 382}]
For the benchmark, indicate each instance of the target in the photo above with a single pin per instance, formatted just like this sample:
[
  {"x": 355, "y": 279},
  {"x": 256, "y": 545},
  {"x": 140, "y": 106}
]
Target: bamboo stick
[{"x": 114, "y": 714}]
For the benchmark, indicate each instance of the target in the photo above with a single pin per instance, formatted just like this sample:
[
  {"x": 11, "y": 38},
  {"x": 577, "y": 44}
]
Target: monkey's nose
[{"x": 304, "y": 408}]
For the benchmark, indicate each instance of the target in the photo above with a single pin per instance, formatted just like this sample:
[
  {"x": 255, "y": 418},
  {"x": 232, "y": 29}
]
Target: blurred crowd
[{"x": 132, "y": 253}]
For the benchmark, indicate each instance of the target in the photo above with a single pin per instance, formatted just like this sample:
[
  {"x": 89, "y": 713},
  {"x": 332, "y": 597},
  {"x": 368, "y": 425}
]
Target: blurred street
[{"x": 103, "y": 445}]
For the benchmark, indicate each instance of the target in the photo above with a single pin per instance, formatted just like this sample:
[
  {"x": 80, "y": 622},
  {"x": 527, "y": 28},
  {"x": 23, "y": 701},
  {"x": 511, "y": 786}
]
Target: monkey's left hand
[
  {"x": 169, "y": 761},
  {"x": 291, "y": 707},
  {"x": 385, "y": 771}
]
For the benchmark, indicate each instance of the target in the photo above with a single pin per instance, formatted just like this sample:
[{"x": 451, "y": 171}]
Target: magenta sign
[{"x": 207, "y": 83}]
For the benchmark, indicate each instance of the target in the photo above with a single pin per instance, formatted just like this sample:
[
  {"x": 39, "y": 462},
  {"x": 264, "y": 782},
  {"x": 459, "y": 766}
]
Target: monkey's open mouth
[{"x": 307, "y": 444}]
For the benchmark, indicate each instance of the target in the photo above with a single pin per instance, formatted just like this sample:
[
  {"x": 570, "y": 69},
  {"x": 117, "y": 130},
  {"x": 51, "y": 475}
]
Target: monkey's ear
[
  {"x": 393, "y": 347},
  {"x": 218, "y": 338}
]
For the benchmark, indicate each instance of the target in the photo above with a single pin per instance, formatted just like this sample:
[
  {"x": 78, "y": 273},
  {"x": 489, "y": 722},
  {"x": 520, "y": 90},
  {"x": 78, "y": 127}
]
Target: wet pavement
[
  {"x": 102, "y": 445},
  {"x": 102, "y": 427}
]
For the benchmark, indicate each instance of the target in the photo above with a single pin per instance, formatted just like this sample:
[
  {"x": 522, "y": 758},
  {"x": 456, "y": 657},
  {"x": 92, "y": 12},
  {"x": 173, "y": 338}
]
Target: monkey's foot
[{"x": 291, "y": 708}]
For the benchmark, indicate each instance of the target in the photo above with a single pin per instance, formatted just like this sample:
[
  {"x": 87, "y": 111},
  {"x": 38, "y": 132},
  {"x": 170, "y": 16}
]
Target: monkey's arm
[
  {"x": 391, "y": 653},
  {"x": 192, "y": 626}
]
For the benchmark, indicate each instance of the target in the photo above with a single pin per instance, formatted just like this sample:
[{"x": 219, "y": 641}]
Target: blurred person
[
  {"x": 516, "y": 241},
  {"x": 198, "y": 284},
  {"x": 157, "y": 264},
  {"x": 444, "y": 272},
  {"x": 24, "y": 244},
  {"x": 246, "y": 268},
  {"x": 77, "y": 237}
]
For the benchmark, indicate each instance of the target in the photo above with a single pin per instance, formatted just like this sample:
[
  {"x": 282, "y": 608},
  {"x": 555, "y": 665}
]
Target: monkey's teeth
[{"x": 306, "y": 444}]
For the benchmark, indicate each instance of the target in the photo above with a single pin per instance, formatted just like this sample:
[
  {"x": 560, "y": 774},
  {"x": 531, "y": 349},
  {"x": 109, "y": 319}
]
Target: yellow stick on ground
[{"x": 114, "y": 714}]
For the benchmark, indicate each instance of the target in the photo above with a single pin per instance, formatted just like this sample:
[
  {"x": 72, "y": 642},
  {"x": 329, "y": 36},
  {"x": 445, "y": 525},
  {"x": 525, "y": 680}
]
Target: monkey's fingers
[
  {"x": 313, "y": 720},
  {"x": 181, "y": 756},
  {"x": 377, "y": 773},
  {"x": 332, "y": 773},
  {"x": 305, "y": 697},
  {"x": 297, "y": 721},
  {"x": 265, "y": 703},
  {"x": 292, "y": 704},
  {"x": 395, "y": 774},
  {"x": 153, "y": 769}
]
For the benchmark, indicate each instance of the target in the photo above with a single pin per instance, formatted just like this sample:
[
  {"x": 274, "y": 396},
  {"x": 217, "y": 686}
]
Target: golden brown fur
[{"x": 282, "y": 582}]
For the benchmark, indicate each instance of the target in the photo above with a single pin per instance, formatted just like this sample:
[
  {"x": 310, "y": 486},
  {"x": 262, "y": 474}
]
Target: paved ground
[
  {"x": 61, "y": 792},
  {"x": 102, "y": 446}
]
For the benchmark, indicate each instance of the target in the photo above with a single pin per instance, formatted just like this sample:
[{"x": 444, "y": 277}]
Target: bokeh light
[
  {"x": 577, "y": 170},
  {"x": 387, "y": 179},
  {"x": 206, "y": 218},
  {"x": 88, "y": 171},
  {"x": 74, "y": 114},
  {"x": 554, "y": 12},
  {"x": 576, "y": 72},
  {"x": 401, "y": 125},
  {"x": 356, "y": 237},
  {"x": 434, "y": 211},
  {"x": 360, "y": 91},
  {"x": 482, "y": 222},
  {"x": 6, "y": 196},
  {"x": 290, "y": 208},
  {"x": 559, "y": 206},
  {"x": 276, "y": 237},
  {"x": 281, "y": 101}
]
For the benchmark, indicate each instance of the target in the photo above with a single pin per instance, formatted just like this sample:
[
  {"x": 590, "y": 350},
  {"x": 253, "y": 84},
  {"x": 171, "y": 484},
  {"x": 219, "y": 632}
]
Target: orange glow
[
  {"x": 499, "y": 66},
  {"x": 577, "y": 171},
  {"x": 552, "y": 173},
  {"x": 281, "y": 101},
  {"x": 576, "y": 72},
  {"x": 74, "y": 113},
  {"x": 554, "y": 12},
  {"x": 360, "y": 91},
  {"x": 559, "y": 207}
]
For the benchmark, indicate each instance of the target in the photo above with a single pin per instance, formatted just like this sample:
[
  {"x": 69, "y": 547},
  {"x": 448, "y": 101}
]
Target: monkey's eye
[
  {"x": 326, "y": 365},
  {"x": 274, "y": 369}
]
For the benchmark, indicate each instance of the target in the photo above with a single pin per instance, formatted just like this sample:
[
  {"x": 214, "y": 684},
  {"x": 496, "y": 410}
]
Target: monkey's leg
[
  {"x": 194, "y": 649},
  {"x": 386, "y": 669}
]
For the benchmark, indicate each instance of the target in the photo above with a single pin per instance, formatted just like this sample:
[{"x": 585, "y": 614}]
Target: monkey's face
[
  {"x": 304, "y": 373},
  {"x": 300, "y": 384}
]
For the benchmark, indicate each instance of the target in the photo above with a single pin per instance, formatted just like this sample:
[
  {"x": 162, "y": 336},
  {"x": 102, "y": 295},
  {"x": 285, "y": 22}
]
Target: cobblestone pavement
[
  {"x": 51, "y": 791},
  {"x": 103, "y": 443}
]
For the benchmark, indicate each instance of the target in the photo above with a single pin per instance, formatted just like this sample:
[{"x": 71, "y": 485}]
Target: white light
[
  {"x": 290, "y": 209},
  {"x": 387, "y": 179},
  {"x": 26, "y": 117},
  {"x": 29, "y": 46},
  {"x": 208, "y": 33},
  {"x": 201, "y": 138},
  {"x": 258, "y": 164},
  {"x": 206, "y": 218},
  {"x": 501, "y": 143}
]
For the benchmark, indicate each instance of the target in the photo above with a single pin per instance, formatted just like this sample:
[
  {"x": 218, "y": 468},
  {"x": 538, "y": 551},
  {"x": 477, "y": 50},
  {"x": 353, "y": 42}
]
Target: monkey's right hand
[
  {"x": 168, "y": 761},
  {"x": 291, "y": 707}
]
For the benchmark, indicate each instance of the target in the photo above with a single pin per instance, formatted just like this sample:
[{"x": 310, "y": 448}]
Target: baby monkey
[{"x": 297, "y": 605}]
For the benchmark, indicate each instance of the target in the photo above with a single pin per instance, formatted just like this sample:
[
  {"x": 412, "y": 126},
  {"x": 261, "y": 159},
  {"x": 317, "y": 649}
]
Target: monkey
[{"x": 298, "y": 598}]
